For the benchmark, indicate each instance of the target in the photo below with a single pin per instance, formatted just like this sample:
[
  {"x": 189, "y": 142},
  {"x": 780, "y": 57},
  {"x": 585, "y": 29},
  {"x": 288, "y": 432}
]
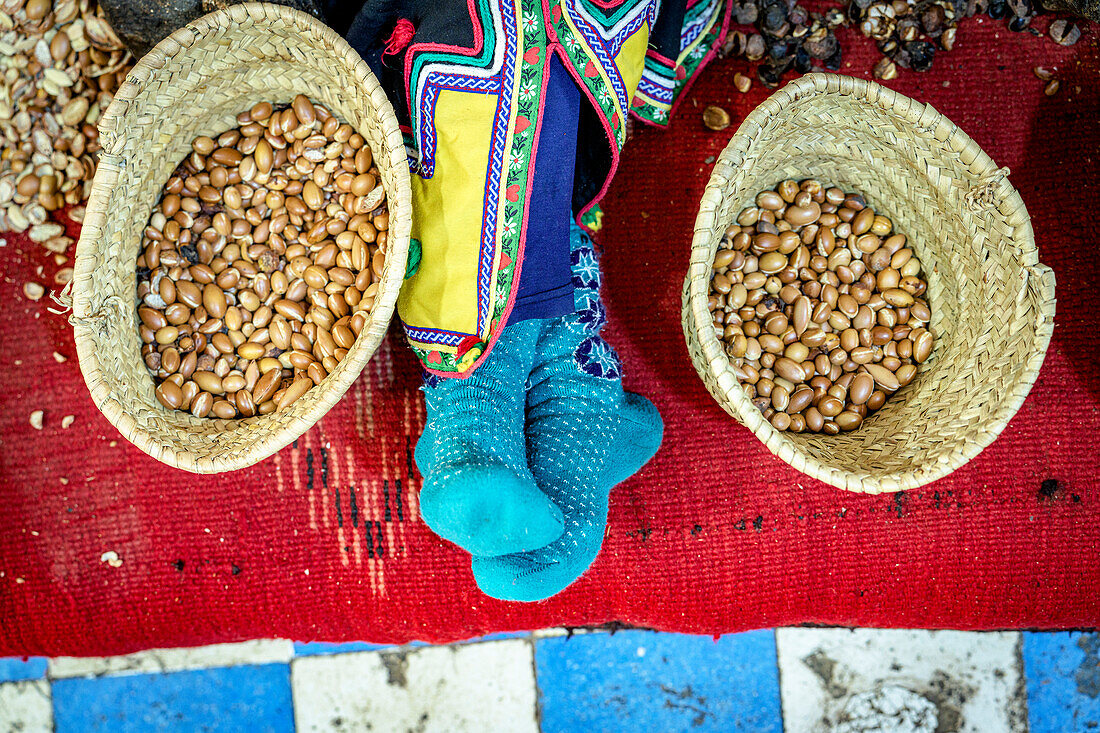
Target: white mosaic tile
[
  {"x": 26, "y": 707},
  {"x": 864, "y": 680},
  {"x": 477, "y": 687},
  {"x": 549, "y": 632},
  {"x": 173, "y": 660},
  {"x": 554, "y": 631}
]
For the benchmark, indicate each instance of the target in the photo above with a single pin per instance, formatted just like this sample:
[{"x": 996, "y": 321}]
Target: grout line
[
  {"x": 779, "y": 681},
  {"x": 1020, "y": 693},
  {"x": 535, "y": 679},
  {"x": 549, "y": 632},
  {"x": 290, "y": 681}
]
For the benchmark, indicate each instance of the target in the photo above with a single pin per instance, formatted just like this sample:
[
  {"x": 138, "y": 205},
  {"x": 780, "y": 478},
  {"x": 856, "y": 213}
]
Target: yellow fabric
[
  {"x": 631, "y": 59},
  {"x": 443, "y": 292},
  {"x": 468, "y": 359}
]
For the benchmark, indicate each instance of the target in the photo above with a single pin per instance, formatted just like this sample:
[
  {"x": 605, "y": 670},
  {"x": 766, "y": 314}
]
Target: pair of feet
[{"x": 518, "y": 459}]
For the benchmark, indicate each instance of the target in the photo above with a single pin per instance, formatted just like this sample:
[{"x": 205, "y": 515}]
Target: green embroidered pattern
[
  {"x": 413, "y": 262},
  {"x": 690, "y": 62},
  {"x": 593, "y": 218},
  {"x": 578, "y": 54}
]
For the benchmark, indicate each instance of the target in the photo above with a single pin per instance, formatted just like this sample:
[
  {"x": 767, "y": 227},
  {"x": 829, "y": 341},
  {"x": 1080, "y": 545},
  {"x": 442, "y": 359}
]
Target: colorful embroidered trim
[
  {"x": 663, "y": 79},
  {"x": 518, "y": 79}
]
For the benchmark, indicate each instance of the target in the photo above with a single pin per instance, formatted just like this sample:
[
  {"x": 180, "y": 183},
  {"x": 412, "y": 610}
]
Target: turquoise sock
[
  {"x": 478, "y": 491},
  {"x": 584, "y": 435}
]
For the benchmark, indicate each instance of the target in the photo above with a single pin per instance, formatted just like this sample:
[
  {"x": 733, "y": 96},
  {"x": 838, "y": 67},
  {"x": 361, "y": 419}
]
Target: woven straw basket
[
  {"x": 992, "y": 301},
  {"x": 195, "y": 82}
]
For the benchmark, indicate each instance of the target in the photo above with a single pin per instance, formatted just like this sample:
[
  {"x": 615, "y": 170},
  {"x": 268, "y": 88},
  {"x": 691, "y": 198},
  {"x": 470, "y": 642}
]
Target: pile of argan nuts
[
  {"x": 818, "y": 302},
  {"x": 785, "y": 35},
  {"x": 61, "y": 64},
  {"x": 261, "y": 262}
]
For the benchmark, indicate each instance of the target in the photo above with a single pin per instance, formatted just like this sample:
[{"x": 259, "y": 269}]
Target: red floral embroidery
[{"x": 465, "y": 345}]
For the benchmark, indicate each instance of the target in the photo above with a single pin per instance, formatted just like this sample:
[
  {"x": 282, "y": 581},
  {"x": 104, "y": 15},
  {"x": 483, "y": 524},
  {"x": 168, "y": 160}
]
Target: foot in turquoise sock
[
  {"x": 636, "y": 441},
  {"x": 478, "y": 491},
  {"x": 584, "y": 435}
]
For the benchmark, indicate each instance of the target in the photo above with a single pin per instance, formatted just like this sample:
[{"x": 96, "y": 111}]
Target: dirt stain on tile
[
  {"x": 1087, "y": 675},
  {"x": 686, "y": 699},
  {"x": 949, "y": 695},
  {"x": 824, "y": 666},
  {"x": 397, "y": 667}
]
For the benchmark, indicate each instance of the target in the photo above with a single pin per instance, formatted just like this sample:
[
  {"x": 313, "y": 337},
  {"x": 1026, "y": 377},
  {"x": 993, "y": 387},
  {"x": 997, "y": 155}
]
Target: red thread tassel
[{"x": 402, "y": 34}]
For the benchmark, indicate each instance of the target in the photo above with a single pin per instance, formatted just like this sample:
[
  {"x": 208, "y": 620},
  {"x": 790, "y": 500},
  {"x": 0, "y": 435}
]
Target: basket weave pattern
[
  {"x": 195, "y": 82},
  {"x": 992, "y": 301}
]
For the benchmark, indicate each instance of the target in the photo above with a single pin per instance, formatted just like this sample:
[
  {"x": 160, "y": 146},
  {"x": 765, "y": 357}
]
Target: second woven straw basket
[
  {"x": 195, "y": 82},
  {"x": 992, "y": 301}
]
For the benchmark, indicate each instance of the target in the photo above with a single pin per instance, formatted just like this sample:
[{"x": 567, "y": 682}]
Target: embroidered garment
[{"x": 471, "y": 88}]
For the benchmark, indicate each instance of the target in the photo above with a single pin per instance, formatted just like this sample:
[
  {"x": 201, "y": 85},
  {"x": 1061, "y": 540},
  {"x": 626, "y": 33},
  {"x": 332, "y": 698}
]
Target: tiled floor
[{"x": 794, "y": 680}]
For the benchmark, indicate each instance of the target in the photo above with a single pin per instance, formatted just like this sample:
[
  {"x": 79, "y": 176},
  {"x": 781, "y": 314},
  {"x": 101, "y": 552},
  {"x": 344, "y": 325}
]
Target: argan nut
[
  {"x": 885, "y": 69},
  {"x": 716, "y": 118},
  {"x": 883, "y": 377},
  {"x": 294, "y": 392}
]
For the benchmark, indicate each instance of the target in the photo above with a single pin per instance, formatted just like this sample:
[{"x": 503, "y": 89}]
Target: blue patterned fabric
[{"x": 593, "y": 355}]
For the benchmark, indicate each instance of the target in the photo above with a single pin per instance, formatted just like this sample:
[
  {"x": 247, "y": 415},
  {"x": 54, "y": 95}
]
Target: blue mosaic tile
[
  {"x": 1063, "y": 681},
  {"x": 316, "y": 648},
  {"x": 253, "y": 698},
  {"x": 640, "y": 680},
  {"x": 14, "y": 669}
]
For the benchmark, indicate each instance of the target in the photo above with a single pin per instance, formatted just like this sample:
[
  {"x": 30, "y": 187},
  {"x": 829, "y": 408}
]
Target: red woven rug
[{"x": 323, "y": 541}]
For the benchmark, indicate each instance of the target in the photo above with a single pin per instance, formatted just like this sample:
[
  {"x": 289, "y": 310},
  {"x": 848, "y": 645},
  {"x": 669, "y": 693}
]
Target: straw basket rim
[
  {"x": 92, "y": 310},
  {"x": 991, "y": 187}
]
